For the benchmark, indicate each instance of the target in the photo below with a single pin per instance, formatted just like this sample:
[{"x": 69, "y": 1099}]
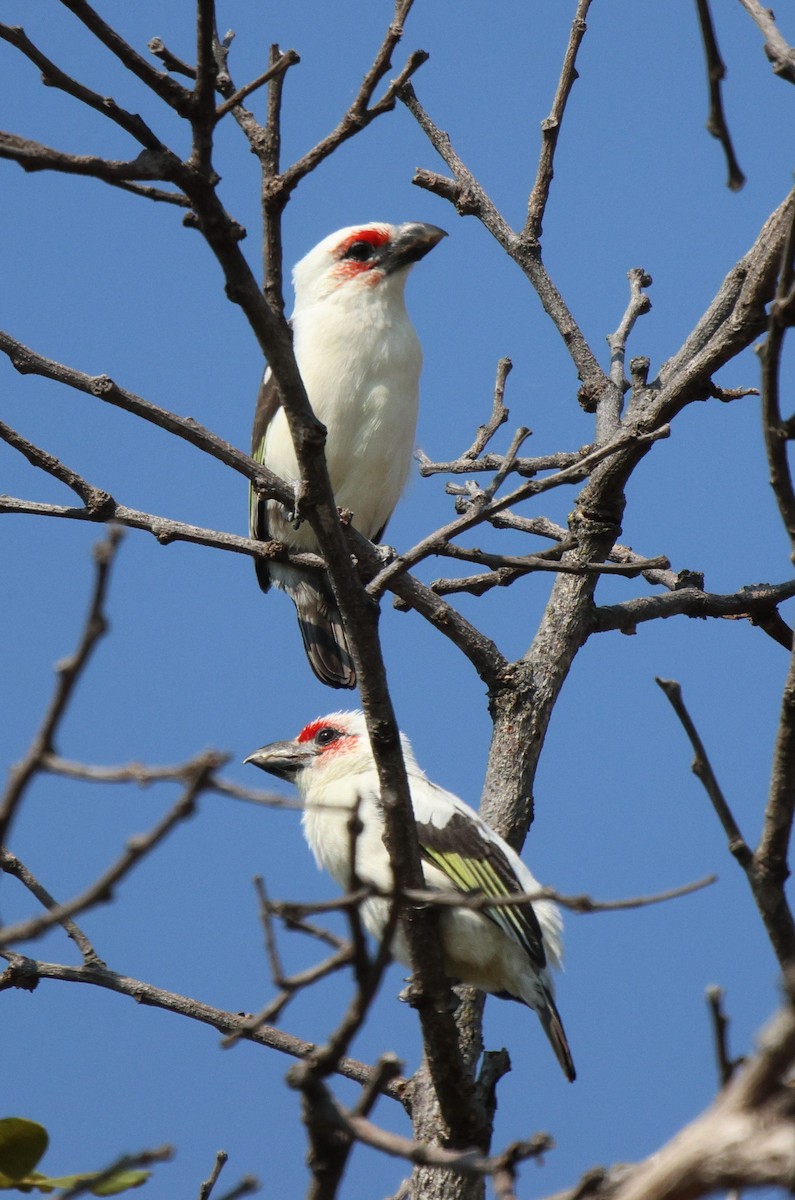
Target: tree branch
[
  {"x": 69, "y": 672},
  {"x": 25, "y": 973},
  {"x": 716, "y": 73},
  {"x": 778, "y": 51},
  {"x": 764, "y": 870},
  {"x": 550, "y": 128}
]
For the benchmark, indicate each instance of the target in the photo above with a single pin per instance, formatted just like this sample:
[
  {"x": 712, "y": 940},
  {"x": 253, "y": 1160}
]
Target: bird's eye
[
  {"x": 359, "y": 251},
  {"x": 324, "y": 737}
]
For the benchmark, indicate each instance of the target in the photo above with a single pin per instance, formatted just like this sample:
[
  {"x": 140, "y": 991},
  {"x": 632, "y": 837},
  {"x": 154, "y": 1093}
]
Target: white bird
[
  {"x": 359, "y": 359},
  {"x": 506, "y": 950}
]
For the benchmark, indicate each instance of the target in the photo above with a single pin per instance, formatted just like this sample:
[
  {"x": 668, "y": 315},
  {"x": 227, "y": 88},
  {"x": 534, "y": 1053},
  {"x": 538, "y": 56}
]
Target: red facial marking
[
  {"x": 376, "y": 237},
  {"x": 350, "y": 268},
  {"x": 309, "y": 732}
]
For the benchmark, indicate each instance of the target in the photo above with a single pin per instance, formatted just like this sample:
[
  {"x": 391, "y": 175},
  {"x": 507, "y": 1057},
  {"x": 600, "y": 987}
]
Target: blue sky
[{"x": 197, "y": 657}]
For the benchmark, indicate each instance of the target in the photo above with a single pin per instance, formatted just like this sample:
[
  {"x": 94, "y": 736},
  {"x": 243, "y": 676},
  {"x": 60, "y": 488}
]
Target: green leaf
[
  {"x": 120, "y": 1182},
  {"x": 22, "y": 1144}
]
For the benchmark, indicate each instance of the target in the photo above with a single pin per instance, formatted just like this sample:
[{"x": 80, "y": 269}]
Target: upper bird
[
  {"x": 504, "y": 949},
  {"x": 359, "y": 359}
]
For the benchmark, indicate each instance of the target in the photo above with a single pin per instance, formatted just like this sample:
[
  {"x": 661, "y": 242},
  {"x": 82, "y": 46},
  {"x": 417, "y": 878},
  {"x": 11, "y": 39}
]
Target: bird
[
  {"x": 504, "y": 950},
  {"x": 359, "y": 359}
]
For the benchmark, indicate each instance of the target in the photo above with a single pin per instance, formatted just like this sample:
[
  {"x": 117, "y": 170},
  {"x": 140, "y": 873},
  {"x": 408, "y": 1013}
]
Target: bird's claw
[{"x": 294, "y": 514}]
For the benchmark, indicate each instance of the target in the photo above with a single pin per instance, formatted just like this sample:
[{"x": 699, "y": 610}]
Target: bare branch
[
  {"x": 702, "y": 769},
  {"x": 53, "y": 76},
  {"x": 720, "y": 1025},
  {"x": 772, "y": 853},
  {"x": 482, "y": 508},
  {"x": 12, "y": 866},
  {"x": 639, "y": 303},
  {"x": 98, "y": 502},
  {"x": 470, "y": 198},
  {"x": 101, "y": 891},
  {"x": 765, "y": 872},
  {"x": 33, "y": 156},
  {"x": 69, "y": 671},
  {"x": 746, "y": 1138},
  {"x": 736, "y": 316},
  {"x": 26, "y": 972},
  {"x": 171, "y": 92},
  {"x": 716, "y": 73},
  {"x": 221, "y": 1159},
  {"x": 750, "y": 602},
  {"x": 499, "y": 413},
  {"x": 283, "y": 63},
  {"x": 102, "y": 387},
  {"x": 782, "y": 317},
  {"x": 550, "y": 128},
  {"x": 780, "y": 54},
  {"x": 508, "y": 568},
  {"x": 362, "y": 110},
  {"x": 171, "y": 62}
]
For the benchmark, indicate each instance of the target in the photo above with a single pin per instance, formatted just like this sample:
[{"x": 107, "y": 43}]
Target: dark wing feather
[{"x": 472, "y": 863}]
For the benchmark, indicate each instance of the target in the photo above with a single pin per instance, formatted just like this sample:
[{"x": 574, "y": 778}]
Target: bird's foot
[
  {"x": 413, "y": 994},
  {"x": 386, "y": 554},
  {"x": 294, "y": 514}
]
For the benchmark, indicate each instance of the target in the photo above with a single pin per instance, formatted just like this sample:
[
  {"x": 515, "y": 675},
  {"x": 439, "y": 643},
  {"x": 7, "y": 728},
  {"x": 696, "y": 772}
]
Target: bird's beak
[
  {"x": 411, "y": 243},
  {"x": 283, "y": 759}
]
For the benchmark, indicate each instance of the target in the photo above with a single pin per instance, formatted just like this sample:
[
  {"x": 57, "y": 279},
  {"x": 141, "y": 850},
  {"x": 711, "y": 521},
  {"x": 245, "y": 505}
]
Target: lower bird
[
  {"x": 359, "y": 359},
  {"x": 505, "y": 949}
]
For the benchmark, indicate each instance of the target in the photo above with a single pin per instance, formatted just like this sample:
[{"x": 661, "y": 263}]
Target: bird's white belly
[{"x": 368, "y": 401}]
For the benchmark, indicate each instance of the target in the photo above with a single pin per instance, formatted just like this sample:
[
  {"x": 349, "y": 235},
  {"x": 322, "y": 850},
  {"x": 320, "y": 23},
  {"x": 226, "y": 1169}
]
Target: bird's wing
[
  {"x": 268, "y": 403},
  {"x": 474, "y": 862}
]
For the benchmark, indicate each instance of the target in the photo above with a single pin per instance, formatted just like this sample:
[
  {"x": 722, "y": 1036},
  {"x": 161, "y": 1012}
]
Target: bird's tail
[
  {"x": 323, "y": 632},
  {"x": 553, "y": 1028}
]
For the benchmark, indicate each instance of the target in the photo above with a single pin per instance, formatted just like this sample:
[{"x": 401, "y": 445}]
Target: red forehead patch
[{"x": 309, "y": 731}]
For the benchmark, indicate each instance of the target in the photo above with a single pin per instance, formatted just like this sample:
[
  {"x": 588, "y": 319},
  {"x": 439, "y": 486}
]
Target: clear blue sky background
[{"x": 197, "y": 657}]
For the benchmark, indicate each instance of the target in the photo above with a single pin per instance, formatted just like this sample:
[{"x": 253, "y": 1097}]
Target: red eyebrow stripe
[
  {"x": 376, "y": 237},
  {"x": 309, "y": 731}
]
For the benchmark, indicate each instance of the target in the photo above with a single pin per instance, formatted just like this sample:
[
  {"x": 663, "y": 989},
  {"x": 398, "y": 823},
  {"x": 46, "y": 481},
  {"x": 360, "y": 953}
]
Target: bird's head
[
  {"x": 336, "y": 746},
  {"x": 361, "y": 257}
]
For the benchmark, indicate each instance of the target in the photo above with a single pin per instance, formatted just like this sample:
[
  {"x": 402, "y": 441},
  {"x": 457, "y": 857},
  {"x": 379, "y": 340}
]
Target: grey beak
[
  {"x": 282, "y": 759},
  {"x": 411, "y": 243}
]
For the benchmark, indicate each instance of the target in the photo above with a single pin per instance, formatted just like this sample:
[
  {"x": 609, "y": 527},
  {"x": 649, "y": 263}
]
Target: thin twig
[
  {"x": 751, "y": 603},
  {"x": 716, "y": 73},
  {"x": 766, "y": 874},
  {"x": 24, "y": 973},
  {"x": 720, "y": 1027},
  {"x": 286, "y": 60},
  {"x": 69, "y": 672},
  {"x": 11, "y": 865},
  {"x": 778, "y": 51},
  {"x": 221, "y": 1157},
  {"x": 499, "y": 413},
  {"x": 639, "y": 303},
  {"x": 470, "y": 198},
  {"x": 53, "y": 76},
  {"x": 550, "y": 128},
  {"x": 170, "y": 61},
  {"x": 702, "y": 769},
  {"x": 483, "y": 510},
  {"x": 136, "y": 849},
  {"x": 782, "y": 317}
]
